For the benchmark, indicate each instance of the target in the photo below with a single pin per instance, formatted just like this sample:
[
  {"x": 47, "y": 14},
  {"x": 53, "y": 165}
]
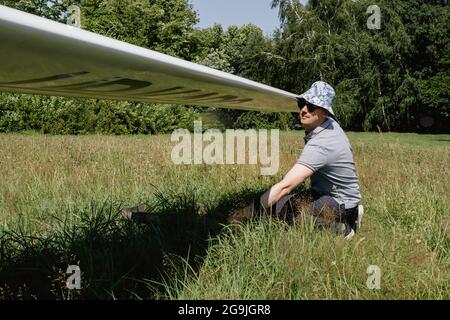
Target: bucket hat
[{"x": 320, "y": 94}]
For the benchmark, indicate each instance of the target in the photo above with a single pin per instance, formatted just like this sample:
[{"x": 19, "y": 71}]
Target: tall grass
[{"x": 60, "y": 198}]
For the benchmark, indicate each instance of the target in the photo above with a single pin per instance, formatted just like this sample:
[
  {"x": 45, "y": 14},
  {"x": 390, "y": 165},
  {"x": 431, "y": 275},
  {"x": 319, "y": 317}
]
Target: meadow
[{"x": 60, "y": 198}]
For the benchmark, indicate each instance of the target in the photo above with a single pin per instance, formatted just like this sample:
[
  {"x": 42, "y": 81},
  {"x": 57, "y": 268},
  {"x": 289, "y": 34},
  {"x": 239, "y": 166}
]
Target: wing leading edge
[{"x": 40, "y": 56}]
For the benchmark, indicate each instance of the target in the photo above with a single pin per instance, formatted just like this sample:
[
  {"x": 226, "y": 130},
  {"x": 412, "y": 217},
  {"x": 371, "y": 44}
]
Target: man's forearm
[
  {"x": 273, "y": 195},
  {"x": 293, "y": 179}
]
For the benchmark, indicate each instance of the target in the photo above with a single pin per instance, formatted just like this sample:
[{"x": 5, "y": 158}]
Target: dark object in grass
[{"x": 138, "y": 214}]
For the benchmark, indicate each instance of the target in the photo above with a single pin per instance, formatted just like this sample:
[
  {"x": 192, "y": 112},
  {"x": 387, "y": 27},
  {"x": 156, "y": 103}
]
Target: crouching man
[{"x": 334, "y": 198}]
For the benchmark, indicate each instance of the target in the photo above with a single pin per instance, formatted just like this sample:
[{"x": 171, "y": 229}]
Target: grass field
[{"x": 60, "y": 197}]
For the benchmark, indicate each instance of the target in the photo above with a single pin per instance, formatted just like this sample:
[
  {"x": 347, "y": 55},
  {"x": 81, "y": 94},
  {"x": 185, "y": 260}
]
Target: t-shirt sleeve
[{"x": 313, "y": 157}]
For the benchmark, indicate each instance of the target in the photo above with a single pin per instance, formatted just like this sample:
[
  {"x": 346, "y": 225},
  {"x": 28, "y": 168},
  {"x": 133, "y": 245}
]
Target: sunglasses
[{"x": 311, "y": 108}]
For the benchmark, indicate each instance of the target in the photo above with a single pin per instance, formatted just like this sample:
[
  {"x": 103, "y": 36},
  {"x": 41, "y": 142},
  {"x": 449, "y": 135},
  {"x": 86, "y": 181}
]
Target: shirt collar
[{"x": 317, "y": 130}]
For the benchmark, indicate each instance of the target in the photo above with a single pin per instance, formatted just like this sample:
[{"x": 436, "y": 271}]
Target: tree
[
  {"x": 389, "y": 78},
  {"x": 377, "y": 73},
  {"x": 50, "y": 9},
  {"x": 162, "y": 25}
]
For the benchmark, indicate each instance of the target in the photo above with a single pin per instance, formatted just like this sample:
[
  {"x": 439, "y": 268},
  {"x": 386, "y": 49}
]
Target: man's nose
[{"x": 302, "y": 109}]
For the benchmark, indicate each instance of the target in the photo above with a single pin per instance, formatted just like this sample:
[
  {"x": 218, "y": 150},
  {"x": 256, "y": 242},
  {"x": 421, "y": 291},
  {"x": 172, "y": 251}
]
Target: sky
[{"x": 237, "y": 12}]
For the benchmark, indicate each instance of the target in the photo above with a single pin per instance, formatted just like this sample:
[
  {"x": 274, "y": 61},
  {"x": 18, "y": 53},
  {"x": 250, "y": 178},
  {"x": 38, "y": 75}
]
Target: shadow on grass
[{"x": 114, "y": 255}]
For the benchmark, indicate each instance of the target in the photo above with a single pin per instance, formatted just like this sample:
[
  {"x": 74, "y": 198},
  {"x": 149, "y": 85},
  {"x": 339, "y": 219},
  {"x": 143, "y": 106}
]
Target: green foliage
[
  {"x": 251, "y": 119},
  {"x": 435, "y": 91},
  {"x": 246, "y": 52},
  {"x": 50, "y": 9},
  {"x": 162, "y": 25},
  {"x": 388, "y": 79},
  {"x": 61, "y": 201},
  {"x": 377, "y": 73},
  {"x": 81, "y": 116}
]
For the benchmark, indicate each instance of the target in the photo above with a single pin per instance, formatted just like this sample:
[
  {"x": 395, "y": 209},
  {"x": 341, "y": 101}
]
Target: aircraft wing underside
[{"x": 40, "y": 56}]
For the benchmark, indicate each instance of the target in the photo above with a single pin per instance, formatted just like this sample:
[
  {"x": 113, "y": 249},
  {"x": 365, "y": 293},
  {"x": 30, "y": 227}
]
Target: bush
[{"x": 57, "y": 115}]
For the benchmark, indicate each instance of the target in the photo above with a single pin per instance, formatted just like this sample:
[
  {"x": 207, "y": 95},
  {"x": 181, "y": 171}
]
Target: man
[{"x": 334, "y": 198}]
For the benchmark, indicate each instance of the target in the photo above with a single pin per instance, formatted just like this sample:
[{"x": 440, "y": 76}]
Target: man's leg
[
  {"x": 285, "y": 209},
  {"x": 325, "y": 212},
  {"x": 290, "y": 210},
  {"x": 138, "y": 214},
  {"x": 252, "y": 210}
]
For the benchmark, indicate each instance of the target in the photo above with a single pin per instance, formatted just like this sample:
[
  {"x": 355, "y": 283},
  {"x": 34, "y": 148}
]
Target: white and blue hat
[{"x": 320, "y": 94}]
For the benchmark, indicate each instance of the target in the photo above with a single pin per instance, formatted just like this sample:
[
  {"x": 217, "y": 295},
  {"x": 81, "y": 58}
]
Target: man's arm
[{"x": 292, "y": 180}]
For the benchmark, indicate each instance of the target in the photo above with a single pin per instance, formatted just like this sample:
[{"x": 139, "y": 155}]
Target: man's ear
[{"x": 324, "y": 112}]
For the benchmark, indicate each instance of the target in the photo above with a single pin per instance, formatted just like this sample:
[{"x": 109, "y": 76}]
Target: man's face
[{"x": 311, "y": 116}]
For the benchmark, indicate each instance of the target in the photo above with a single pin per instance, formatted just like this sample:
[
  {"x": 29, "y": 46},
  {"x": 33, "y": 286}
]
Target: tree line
[{"x": 391, "y": 77}]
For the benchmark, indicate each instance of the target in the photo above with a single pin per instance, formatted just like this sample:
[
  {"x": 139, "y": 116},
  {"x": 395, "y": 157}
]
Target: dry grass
[{"x": 59, "y": 199}]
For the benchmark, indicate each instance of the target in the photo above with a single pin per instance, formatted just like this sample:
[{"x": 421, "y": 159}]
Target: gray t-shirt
[{"x": 328, "y": 153}]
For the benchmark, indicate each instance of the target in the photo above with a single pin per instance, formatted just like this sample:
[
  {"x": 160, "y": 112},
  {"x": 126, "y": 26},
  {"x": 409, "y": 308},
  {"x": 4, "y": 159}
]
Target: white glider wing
[{"x": 40, "y": 56}]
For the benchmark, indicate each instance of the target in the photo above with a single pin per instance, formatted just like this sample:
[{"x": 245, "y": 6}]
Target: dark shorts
[
  {"x": 324, "y": 209},
  {"x": 321, "y": 206}
]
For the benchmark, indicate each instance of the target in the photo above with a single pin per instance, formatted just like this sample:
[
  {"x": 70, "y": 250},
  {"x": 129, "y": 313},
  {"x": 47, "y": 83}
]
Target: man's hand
[{"x": 292, "y": 180}]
